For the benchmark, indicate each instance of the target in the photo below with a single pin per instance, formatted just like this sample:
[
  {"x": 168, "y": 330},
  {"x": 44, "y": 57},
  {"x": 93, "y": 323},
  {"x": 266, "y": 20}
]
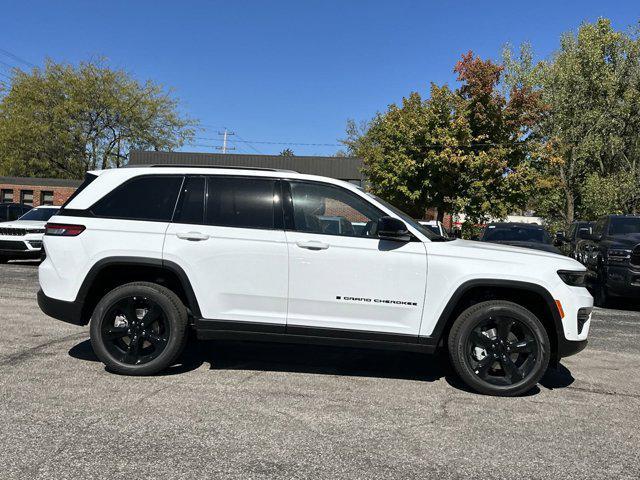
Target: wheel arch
[
  {"x": 532, "y": 296},
  {"x": 111, "y": 272}
]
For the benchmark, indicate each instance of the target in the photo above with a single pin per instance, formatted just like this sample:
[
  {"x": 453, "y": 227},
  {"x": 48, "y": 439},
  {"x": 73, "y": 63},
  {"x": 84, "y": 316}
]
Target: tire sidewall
[
  {"x": 171, "y": 313},
  {"x": 470, "y": 320}
]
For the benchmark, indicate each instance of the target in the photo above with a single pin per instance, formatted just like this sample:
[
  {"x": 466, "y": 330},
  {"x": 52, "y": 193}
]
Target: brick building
[{"x": 36, "y": 191}]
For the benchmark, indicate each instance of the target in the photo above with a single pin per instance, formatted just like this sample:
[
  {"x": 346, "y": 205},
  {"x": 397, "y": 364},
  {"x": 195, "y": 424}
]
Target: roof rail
[{"x": 229, "y": 167}]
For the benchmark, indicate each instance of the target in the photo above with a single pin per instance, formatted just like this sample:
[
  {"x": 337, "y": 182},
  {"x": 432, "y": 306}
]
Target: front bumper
[
  {"x": 69, "y": 312},
  {"x": 566, "y": 348},
  {"x": 29, "y": 246},
  {"x": 623, "y": 280}
]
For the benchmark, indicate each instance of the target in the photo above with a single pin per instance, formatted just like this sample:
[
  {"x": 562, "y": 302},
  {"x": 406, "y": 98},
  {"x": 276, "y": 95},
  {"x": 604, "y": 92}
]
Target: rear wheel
[
  {"x": 139, "y": 328},
  {"x": 499, "y": 348}
]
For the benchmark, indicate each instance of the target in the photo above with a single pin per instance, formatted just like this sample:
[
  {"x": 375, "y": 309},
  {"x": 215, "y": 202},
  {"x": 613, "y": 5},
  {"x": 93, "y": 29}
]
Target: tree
[
  {"x": 287, "y": 152},
  {"x": 63, "y": 120},
  {"x": 590, "y": 132},
  {"x": 459, "y": 151}
]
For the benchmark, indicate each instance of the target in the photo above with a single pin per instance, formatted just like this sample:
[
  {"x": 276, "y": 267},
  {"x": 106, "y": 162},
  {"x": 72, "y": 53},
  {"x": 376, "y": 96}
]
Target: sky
[{"x": 288, "y": 71}]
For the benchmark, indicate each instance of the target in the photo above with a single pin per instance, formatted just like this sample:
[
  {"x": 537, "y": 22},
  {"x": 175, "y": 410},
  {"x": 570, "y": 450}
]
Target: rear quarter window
[{"x": 151, "y": 197}]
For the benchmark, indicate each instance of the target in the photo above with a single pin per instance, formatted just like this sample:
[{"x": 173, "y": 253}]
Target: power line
[
  {"x": 280, "y": 143},
  {"x": 17, "y": 58},
  {"x": 249, "y": 144},
  {"x": 225, "y": 134}
]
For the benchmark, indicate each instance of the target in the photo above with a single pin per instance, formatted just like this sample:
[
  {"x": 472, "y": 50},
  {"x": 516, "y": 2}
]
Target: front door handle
[
  {"x": 313, "y": 245},
  {"x": 192, "y": 236}
]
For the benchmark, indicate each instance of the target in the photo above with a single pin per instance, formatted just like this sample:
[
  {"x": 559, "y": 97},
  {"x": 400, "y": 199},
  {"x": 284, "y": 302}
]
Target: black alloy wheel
[
  {"x": 135, "y": 330},
  {"x": 139, "y": 328},
  {"x": 502, "y": 350},
  {"x": 499, "y": 348}
]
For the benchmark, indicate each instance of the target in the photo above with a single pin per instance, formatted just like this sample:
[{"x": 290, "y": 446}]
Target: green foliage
[
  {"x": 590, "y": 133},
  {"x": 287, "y": 152},
  {"x": 63, "y": 120},
  {"x": 462, "y": 151}
]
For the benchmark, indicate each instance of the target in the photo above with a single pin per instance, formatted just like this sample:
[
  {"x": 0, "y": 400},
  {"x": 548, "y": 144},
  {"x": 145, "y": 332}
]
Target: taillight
[{"x": 63, "y": 230}]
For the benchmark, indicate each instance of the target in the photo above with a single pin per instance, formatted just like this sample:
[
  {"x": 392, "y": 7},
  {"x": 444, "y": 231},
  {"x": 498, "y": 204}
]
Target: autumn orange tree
[{"x": 461, "y": 151}]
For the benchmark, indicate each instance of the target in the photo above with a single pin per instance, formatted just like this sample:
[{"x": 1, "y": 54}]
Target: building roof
[
  {"x": 343, "y": 168},
  {"x": 41, "y": 182}
]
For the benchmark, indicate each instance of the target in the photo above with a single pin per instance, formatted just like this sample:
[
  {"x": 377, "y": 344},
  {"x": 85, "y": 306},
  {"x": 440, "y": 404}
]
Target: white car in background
[
  {"x": 22, "y": 238},
  {"x": 435, "y": 226}
]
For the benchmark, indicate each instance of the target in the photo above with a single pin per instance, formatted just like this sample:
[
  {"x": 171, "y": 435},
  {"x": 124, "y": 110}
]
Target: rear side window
[
  {"x": 144, "y": 198},
  {"x": 191, "y": 205},
  {"x": 240, "y": 202}
]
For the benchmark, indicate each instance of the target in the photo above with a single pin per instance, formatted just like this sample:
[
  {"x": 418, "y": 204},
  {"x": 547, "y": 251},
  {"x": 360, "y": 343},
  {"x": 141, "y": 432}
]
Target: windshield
[
  {"x": 515, "y": 233},
  {"x": 624, "y": 225},
  {"x": 408, "y": 220},
  {"x": 39, "y": 214}
]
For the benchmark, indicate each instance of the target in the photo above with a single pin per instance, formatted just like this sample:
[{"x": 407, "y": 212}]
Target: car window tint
[
  {"x": 240, "y": 202},
  {"x": 191, "y": 205},
  {"x": 330, "y": 210},
  {"x": 143, "y": 198}
]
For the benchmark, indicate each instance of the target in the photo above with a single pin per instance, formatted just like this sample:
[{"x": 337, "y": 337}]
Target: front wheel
[
  {"x": 139, "y": 328},
  {"x": 499, "y": 348}
]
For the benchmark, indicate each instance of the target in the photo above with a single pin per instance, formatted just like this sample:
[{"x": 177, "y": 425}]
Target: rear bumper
[{"x": 69, "y": 312}]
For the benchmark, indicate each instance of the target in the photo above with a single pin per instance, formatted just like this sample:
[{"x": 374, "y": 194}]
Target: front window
[
  {"x": 624, "y": 225},
  {"x": 39, "y": 214},
  {"x": 408, "y": 220},
  {"x": 331, "y": 210}
]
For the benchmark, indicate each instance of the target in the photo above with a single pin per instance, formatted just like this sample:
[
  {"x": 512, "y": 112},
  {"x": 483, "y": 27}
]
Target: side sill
[{"x": 279, "y": 333}]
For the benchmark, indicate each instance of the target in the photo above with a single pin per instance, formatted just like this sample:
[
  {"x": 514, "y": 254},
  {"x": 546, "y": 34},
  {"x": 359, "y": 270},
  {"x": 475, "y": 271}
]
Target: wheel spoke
[
  {"x": 152, "y": 315},
  {"x": 525, "y": 346},
  {"x": 480, "y": 339},
  {"x": 512, "y": 372},
  {"x": 504, "y": 327},
  {"x": 483, "y": 366},
  {"x": 114, "y": 333},
  {"x": 131, "y": 310},
  {"x": 157, "y": 340}
]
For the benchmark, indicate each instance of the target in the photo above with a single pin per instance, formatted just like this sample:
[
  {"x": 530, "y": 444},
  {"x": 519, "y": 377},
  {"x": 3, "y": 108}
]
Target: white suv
[
  {"x": 147, "y": 253},
  {"x": 22, "y": 238}
]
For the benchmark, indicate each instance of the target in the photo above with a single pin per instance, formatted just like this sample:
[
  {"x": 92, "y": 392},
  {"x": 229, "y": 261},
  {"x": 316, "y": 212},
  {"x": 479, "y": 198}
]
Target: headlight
[
  {"x": 573, "y": 278},
  {"x": 618, "y": 255}
]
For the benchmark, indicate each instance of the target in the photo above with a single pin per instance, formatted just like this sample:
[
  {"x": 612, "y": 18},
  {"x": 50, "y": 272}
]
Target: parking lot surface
[{"x": 233, "y": 410}]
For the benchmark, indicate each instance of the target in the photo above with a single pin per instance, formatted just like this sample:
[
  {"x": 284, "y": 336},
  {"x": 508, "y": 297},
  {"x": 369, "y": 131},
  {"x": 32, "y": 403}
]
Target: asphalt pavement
[{"x": 245, "y": 411}]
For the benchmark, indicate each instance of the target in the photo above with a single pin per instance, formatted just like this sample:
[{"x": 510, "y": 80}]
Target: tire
[
  {"x": 121, "y": 339},
  {"x": 601, "y": 297},
  {"x": 490, "y": 366}
]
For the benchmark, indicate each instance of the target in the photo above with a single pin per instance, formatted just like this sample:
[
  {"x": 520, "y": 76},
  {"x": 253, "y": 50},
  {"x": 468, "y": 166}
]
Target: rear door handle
[
  {"x": 313, "y": 245},
  {"x": 192, "y": 236}
]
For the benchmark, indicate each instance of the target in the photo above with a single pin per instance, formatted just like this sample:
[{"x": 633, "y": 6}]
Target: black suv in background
[
  {"x": 612, "y": 254},
  {"x": 568, "y": 243},
  {"x": 527, "y": 235}
]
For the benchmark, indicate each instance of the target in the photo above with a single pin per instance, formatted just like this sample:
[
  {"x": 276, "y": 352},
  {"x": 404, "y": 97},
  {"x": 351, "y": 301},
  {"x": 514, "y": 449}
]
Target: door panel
[
  {"x": 236, "y": 273},
  {"x": 225, "y": 236},
  {"x": 340, "y": 275}
]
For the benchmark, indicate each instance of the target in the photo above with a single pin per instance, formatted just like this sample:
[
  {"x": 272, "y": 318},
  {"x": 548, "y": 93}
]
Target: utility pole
[{"x": 224, "y": 147}]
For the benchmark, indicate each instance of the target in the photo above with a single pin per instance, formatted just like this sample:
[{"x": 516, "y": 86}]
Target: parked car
[
  {"x": 435, "y": 226},
  {"x": 568, "y": 242},
  {"x": 12, "y": 211},
  {"x": 612, "y": 254},
  {"x": 527, "y": 235},
  {"x": 242, "y": 254},
  {"x": 22, "y": 238}
]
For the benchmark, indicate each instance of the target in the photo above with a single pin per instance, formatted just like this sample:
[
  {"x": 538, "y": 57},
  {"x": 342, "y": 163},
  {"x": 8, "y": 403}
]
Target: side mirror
[
  {"x": 390, "y": 228},
  {"x": 559, "y": 238}
]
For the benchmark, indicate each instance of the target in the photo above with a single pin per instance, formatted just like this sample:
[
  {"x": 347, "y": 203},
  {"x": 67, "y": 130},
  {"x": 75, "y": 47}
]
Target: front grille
[
  {"x": 9, "y": 245},
  {"x": 583, "y": 316},
  {"x": 13, "y": 231},
  {"x": 635, "y": 256}
]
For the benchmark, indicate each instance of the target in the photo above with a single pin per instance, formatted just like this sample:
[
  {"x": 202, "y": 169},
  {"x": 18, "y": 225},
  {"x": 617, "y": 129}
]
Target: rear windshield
[
  {"x": 514, "y": 233},
  {"x": 39, "y": 214}
]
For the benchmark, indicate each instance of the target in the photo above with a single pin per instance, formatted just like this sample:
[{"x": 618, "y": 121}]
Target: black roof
[
  {"x": 36, "y": 182},
  {"x": 343, "y": 168}
]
